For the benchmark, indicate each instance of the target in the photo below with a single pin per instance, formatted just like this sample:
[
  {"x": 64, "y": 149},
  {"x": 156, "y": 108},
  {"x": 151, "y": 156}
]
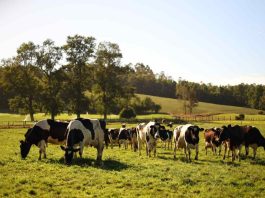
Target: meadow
[
  {"x": 125, "y": 174},
  {"x": 175, "y": 106}
]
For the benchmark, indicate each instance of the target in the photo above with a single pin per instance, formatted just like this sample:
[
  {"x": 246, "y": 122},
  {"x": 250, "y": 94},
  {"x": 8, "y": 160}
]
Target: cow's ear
[
  {"x": 229, "y": 126},
  {"x": 201, "y": 129},
  {"x": 63, "y": 148},
  {"x": 21, "y": 141}
]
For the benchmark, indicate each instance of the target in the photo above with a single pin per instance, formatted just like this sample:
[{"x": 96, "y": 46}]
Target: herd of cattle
[{"x": 74, "y": 135}]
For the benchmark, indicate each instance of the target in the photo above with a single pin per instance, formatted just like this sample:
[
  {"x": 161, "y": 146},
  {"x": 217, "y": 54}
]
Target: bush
[
  {"x": 240, "y": 117},
  {"x": 261, "y": 112},
  {"x": 127, "y": 113}
]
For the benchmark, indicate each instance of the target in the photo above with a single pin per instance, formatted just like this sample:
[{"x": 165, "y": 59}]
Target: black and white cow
[
  {"x": 124, "y": 137},
  {"x": 43, "y": 132},
  {"x": 133, "y": 139},
  {"x": 113, "y": 136},
  {"x": 187, "y": 137},
  {"x": 84, "y": 132},
  {"x": 148, "y": 134},
  {"x": 166, "y": 137}
]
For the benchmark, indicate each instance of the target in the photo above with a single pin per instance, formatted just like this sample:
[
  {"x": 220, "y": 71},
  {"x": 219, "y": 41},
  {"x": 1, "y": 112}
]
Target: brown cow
[{"x": 211, "y": 137}]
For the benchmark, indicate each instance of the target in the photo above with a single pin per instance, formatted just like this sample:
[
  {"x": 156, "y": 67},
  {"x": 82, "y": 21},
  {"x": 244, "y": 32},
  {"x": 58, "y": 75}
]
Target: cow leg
[
  {"x": 214, "y": 149},
  {"x": 206, "y": 148},
  {"x": 189, "y": 152},
  {"x": 175, "y": 149},
  {"x": 220, "y": 149},
  {"x": 197, "y": 151},
  {"x": 247, "y": 149},
  {"x": 139, "y": 147},
  {"x": 42, "y": 145},
  {"x": 81, "y": 149},
  {"x": 100, "y": 148},
  {"x": 254, "y": 150},
  {"x": 225, "y": 152}
]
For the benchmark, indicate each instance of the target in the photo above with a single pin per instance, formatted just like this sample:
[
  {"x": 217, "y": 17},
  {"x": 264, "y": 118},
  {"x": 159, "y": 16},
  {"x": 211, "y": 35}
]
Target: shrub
[
  {"x": 127, "y": 113},
  {"x": 240, "y": 117},
  {"x": 261, "y": 112}
]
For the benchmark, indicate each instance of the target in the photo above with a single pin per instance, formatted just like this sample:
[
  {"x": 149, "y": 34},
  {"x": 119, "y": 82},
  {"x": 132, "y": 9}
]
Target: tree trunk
[
  {"x": 105, "y": 115},
  {"x": 31, "y": 112},
  {"x": 52, "y": 116}
]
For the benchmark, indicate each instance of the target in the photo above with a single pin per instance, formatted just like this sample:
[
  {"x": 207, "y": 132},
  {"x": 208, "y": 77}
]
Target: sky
[{"x": 212, "y": 41}]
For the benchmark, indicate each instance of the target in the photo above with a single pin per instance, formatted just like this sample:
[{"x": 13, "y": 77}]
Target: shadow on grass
[
  {"x": 107, "y": 164},
  {"x": 258, "y": 161}
]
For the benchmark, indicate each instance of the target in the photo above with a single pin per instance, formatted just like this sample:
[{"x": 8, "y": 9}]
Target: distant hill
[{"x": 174, "y": 106}]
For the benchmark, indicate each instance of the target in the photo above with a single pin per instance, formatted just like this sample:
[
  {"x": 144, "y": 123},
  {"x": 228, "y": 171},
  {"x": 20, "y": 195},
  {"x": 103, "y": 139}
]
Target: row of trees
[
  {"x": 77, "y": 77},
  {"x": 82, "y": 76}
]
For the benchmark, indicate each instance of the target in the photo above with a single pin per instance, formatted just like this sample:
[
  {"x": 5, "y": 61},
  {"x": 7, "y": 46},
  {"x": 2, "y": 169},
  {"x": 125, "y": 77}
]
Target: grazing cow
[
  {"x": 113, "y": 135},
  {"x": 211, "y": 137},
  {"x": 187, "y": 137},
  {"x": 133, "y": 137},
  {"x": 148, "y": 134},
  {"x": 84, "y": 132},
  {"x": 166, "y": 136},
  {"x": 43, "y": 132}
]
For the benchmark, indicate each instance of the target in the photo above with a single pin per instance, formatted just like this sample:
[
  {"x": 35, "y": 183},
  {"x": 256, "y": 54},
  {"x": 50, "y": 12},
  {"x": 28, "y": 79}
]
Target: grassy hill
[{"x": 174, "y": 106}]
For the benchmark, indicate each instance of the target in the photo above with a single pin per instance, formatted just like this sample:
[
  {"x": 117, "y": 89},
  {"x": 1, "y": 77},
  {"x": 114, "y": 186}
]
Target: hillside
[{"x": 174, "y": 106}]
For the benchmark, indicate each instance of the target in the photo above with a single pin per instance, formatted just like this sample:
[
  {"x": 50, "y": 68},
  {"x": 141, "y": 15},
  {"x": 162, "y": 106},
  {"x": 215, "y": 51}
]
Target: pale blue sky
[{"x": 216, "y": 41}]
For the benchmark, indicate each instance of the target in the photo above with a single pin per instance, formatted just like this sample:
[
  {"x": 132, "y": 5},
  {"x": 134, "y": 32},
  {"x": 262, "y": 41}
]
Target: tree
[
  {"x": 110, "y": 83},
  {"x": 79, "y": 51},
  {"x": 21, "y": 80},
  {"x": 186, "y": 91},
  {"x": 47, "y": 58}
]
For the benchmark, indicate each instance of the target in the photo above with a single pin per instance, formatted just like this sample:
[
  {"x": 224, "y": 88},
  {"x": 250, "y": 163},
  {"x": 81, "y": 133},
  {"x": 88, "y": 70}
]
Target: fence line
[{"x": 176, "y": 120}]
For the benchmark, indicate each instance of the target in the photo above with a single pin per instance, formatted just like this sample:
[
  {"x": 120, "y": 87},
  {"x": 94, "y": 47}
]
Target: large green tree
[
  {"x": 110, "y": 78},
  {"x": 79, "y": 51},
  {"x": 21, "y": 80},
  {"x": 47, "y": 59}
]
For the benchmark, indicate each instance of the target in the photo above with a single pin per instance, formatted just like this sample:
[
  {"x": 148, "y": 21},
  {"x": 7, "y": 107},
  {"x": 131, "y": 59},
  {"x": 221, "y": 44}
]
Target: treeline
[
  {"x": 83, "y": 76},
  {"x": 244, "y": 95},
  {"x": 80, "y": 76}
]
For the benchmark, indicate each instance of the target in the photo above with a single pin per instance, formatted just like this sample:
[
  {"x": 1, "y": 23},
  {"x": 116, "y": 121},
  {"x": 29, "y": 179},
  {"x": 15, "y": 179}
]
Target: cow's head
[
  {"x": 24, "y": 148},
  {"x": 194, "y": 133},
  {"x": 224, "y": 134},
  {"x": 154, "y": 131},
  {"x": 69, "y": 153}
]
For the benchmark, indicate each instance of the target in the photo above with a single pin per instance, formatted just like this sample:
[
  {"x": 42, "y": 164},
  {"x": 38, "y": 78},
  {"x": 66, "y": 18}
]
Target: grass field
[
  {"x": 175, "y": 106},
  {"x": 125, "y": 174}
]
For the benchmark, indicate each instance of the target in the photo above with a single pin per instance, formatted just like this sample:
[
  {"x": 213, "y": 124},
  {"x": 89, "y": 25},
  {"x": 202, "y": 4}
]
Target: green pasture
[
  {"x": 125, "y": 174},
  {"x": 175, "y": 106}
]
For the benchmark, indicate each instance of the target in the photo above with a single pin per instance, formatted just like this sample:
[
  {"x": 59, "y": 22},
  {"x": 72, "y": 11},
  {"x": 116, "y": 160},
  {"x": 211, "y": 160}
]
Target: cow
[
  {"x": 43, "y": 132},
  {"x": 124, "y": 137},
  {"x": 84, "y": 132},
  {"x": 148, "y": 134},
  {"x": 113, "y": 135},
  {"x": 235, "y": 137},
  {"x": 166, "y": 136},
  {"x": 133, "y": 137},
  {"x": 211, "y": 137},
  {"x": 187, "y": 137},
  {"x": 253, "y": 138}
]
